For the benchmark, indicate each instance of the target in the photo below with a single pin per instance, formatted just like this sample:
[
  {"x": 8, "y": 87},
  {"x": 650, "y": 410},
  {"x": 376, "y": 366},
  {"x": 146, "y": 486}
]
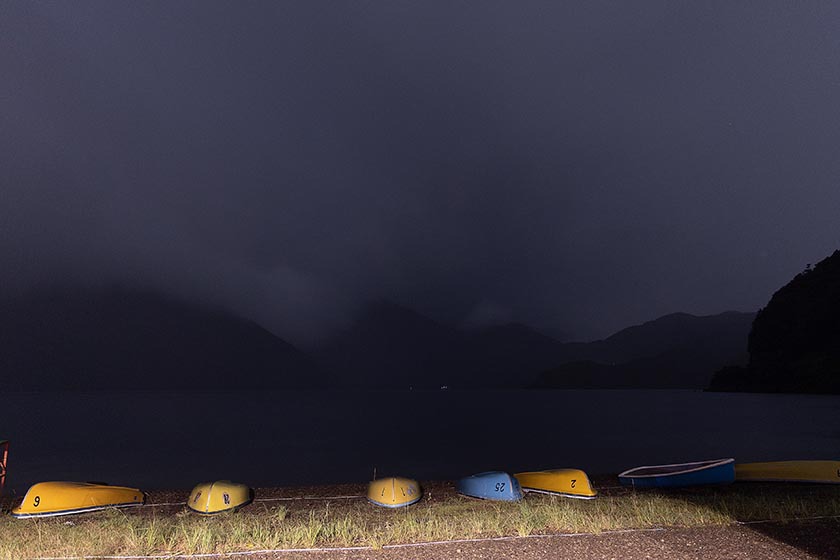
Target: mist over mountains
[
  {"x": 578, "y": 166},
  {"x": 118, "y": 339}
]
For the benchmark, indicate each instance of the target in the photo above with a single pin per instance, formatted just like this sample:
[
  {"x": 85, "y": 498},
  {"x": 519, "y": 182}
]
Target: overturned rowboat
[
  {"x": 209, "y": 498},
  {"x": 717, "y": 471},
  {"x": 822, "y": 472},
  {"x": 49, "y": 499},
  {"x": 572, "y": 483},
  {"x": 394, "y": 492},
  {"x": 493, "y": 485}
]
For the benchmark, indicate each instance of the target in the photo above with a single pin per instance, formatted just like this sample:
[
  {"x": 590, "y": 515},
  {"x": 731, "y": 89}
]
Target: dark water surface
[{"x": 175, "y": 440}]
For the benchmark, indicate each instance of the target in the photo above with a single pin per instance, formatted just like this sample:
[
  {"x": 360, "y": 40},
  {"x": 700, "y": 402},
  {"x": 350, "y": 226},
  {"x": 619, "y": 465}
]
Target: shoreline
[{"x": 336, "y": 521}]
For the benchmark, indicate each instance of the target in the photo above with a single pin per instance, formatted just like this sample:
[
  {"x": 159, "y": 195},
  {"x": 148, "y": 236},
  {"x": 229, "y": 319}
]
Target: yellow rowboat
[
  {"x": 48, "y": 499},
  {"x": 215, "y": 497},
  {"x": 827, "y": 472},
  {"x": 394, "y": 492},
  {"x": 572, "y": 483}
]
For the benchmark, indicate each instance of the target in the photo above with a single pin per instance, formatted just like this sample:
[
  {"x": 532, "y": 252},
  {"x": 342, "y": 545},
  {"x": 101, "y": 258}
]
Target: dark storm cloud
[{"x": 576, "y": 167}]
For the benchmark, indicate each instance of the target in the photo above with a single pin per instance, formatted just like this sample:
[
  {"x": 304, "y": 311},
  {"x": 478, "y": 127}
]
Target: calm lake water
[{"x": 174, "y": 440}]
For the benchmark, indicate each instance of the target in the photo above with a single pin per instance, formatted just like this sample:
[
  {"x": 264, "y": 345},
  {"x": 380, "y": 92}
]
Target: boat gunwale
[
  {"x": 395, "y": 506},
  {"x": 562, "y": 494},
  {"x": 59, "y": 512},
  {"x": 702, "y": 465},
  {"x": 794, "y": 480},
  {"x": 242, "y": 505}
]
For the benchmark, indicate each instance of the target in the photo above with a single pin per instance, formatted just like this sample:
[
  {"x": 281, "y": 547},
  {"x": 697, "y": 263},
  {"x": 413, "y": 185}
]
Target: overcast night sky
[{"x": 575, "y": 166}]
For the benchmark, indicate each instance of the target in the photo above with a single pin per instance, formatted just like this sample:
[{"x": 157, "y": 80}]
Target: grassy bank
[{"x": 440, "y": 516}]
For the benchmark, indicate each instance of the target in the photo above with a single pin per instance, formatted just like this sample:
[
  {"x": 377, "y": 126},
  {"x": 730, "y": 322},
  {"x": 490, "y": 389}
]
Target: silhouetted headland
[{"x": 794, "y": 344}]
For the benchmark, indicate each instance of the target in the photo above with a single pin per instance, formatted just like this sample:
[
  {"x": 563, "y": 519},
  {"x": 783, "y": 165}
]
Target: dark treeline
[{"x": 794, "y": 344}]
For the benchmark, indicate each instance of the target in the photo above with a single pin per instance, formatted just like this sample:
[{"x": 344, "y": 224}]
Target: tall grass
[{"x": 143, "y": 531}]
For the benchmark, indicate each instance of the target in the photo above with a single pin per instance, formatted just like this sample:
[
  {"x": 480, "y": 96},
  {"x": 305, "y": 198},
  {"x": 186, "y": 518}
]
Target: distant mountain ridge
[
  {"x": 399, "y": 347},
  {"x": 676, "y": 351},
  {"x": 117, "y": 339}
]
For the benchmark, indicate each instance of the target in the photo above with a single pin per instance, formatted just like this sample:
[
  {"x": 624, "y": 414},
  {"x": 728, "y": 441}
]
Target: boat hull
[
  {"x": 209, "y": 498},
  {"x": 394, "y": 492},
  {"x": 572, "y": 483},
  {"x": 49, "y": 499},
  {"x": 823, "y": 472},
  {"x": 701, "y": 473},
  {"x": 494, "y": 485}
]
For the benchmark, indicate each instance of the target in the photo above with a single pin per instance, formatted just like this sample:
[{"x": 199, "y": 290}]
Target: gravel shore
[
  {"x": 817, "y": 539},
  {"x": 801, "y": 540}
]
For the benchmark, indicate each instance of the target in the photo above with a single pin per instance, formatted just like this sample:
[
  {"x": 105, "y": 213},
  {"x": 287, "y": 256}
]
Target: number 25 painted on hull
[{"x": 493, "y": 485}]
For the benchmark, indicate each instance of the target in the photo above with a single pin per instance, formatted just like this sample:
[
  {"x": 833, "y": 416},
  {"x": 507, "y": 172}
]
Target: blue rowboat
[
  {"x": 718, "y": 471},
  {"x": 494, "y": 485}
]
